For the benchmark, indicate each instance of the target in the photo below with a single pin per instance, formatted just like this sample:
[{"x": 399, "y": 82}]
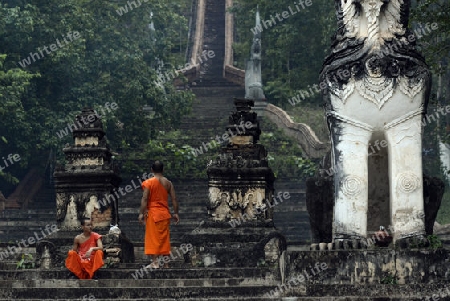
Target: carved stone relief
[
  {"x": 71, "y": 218},
  {"x": 234, "y": 202}
]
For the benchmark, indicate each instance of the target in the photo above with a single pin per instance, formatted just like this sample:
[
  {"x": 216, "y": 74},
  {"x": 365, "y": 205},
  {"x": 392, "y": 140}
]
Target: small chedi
[
  {"x": 87, "y": 177},
  {"x": 85, "y": 190},
  {"x": 377, "y": 91},
  {"x": 239, "y": 230},
  {"x": 240, "y": 179}
]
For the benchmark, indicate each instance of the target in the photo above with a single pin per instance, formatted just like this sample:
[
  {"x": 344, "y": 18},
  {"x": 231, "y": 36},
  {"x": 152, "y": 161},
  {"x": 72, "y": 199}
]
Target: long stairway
[
  {"x": 214, "y": 94},
  {"x": 213, "y": 104},
  {"x": 183, "y": 281}
]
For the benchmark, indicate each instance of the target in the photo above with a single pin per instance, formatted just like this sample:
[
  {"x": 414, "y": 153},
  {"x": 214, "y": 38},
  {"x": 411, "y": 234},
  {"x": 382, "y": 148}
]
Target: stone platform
[
  {"x": 370, "y": 266},
  {"x": 380, "y": 274}
]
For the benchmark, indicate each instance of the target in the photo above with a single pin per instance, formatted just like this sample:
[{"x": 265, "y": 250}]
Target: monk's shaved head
[
  {"x": 157, "y": 166},
  {"x": 84, "y": 221}
]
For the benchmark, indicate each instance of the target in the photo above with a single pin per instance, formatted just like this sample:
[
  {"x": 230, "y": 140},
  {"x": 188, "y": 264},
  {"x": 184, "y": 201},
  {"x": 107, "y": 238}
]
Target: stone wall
[{"x": 370, "y": 266}]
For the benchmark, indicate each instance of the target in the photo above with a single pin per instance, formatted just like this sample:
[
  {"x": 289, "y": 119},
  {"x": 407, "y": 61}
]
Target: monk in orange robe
[
  {"x": 154, "y": 213},
  {"x": 86, "y": 256}
]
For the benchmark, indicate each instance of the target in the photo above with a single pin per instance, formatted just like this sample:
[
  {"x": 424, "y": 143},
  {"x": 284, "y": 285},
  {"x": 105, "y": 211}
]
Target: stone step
[
  {"x": 73, "y": 289},
  {"x": 137, "y": 283},
  {"x": 217, "y": 94},
  {"x": 192, "y": 212},
  {"x": 133, "y": 292},
  {"x": 234, "y": 298},
  {"x": 89, "y": 295},
  {"x": 43, "y": 215},
  {"x": 217, "y": 81},
  {"x": 199, "y": 213},
  {"x": 31, "y": 224},
  {"x": 124, "y": 273},
  {"x": 48, "y": 210}
]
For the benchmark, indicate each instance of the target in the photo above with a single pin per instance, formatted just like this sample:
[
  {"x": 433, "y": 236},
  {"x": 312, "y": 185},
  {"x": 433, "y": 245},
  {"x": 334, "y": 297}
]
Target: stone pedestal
[
  {"x": 369, "y": 266},
  {"x": 239, "y": 230},
  {"x": 365, "y": 275}
]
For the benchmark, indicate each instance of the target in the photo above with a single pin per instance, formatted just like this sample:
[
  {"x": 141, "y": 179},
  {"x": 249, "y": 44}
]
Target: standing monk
[
  {"x": 86, "y": 256},
  {"x": 154, "y": 213}
]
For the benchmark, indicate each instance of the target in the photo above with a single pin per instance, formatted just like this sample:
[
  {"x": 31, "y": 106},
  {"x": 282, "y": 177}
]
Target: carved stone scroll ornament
[
  {"x": 360, "y": 42},
  {"x": 374, "y": 85},
  {"x": 352, "y": 186}
]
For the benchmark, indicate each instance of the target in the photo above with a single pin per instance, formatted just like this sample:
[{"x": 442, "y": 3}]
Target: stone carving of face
[{"x": 224, "y": 197}]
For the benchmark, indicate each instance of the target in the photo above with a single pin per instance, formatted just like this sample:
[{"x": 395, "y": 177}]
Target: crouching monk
[{"x": 86, "y": 256}]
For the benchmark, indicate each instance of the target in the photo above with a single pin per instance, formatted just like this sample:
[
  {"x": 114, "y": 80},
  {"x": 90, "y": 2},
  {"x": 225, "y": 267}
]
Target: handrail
[
  {"x": 230, "y": 72},
  {"x": 193, "y": 69},
  {"x": 229, "y": 30},
  {"x": 302, "y": 133}
]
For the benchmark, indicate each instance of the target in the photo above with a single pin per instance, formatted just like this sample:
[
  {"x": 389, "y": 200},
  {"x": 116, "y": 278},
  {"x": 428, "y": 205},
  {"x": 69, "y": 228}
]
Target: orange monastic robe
[
  {"x": 84, "y": 268},
  {"x": 157, "y": 237}
]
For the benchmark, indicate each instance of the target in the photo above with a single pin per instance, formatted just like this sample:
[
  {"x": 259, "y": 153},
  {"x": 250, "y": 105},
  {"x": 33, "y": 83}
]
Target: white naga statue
[{"x": 377, "y": 91}]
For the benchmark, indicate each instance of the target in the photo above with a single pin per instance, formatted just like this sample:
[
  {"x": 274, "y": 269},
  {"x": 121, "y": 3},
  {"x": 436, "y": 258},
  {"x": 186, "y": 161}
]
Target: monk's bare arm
[
  {"x": 99, "y": 245},
  {"x": 75, "y": 244},
  {"x": 173, "y": 197},
  {"x": 92, "y": 249},
  {"x": 143, "y": 207}
]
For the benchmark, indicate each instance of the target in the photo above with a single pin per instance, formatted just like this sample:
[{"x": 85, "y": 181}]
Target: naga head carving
[
  {"x": 373, "y": 39},
  {"x": 374, "y": 20}
]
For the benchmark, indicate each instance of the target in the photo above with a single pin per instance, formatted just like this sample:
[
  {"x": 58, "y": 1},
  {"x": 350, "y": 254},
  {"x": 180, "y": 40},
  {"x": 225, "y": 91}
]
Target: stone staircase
[
  {"x": 214, "y": 284},
  {"x": 290, "y": 216},
  {"x": 183, "y": 281},
  {"x": 210, "y": 113},
  {"x": 118, "y": 284},
  {"x": 214, "y": 40},
  {"x": 16, "y": 223}
]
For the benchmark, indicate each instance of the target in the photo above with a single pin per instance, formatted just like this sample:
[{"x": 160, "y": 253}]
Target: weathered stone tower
[
  {"x": 240, "y": 180},
  {"x": 87, "y": 176},
  {"x": 85, "y": 187},
  {"x": 239, "y": 230}
]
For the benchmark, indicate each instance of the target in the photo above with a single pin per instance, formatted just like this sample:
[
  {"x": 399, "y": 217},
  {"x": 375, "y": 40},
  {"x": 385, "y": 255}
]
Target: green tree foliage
[
  {"x": 14, "y": 83},
  {"x": 435, "y": 45},
  {"x": 115, "y": 59}
]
